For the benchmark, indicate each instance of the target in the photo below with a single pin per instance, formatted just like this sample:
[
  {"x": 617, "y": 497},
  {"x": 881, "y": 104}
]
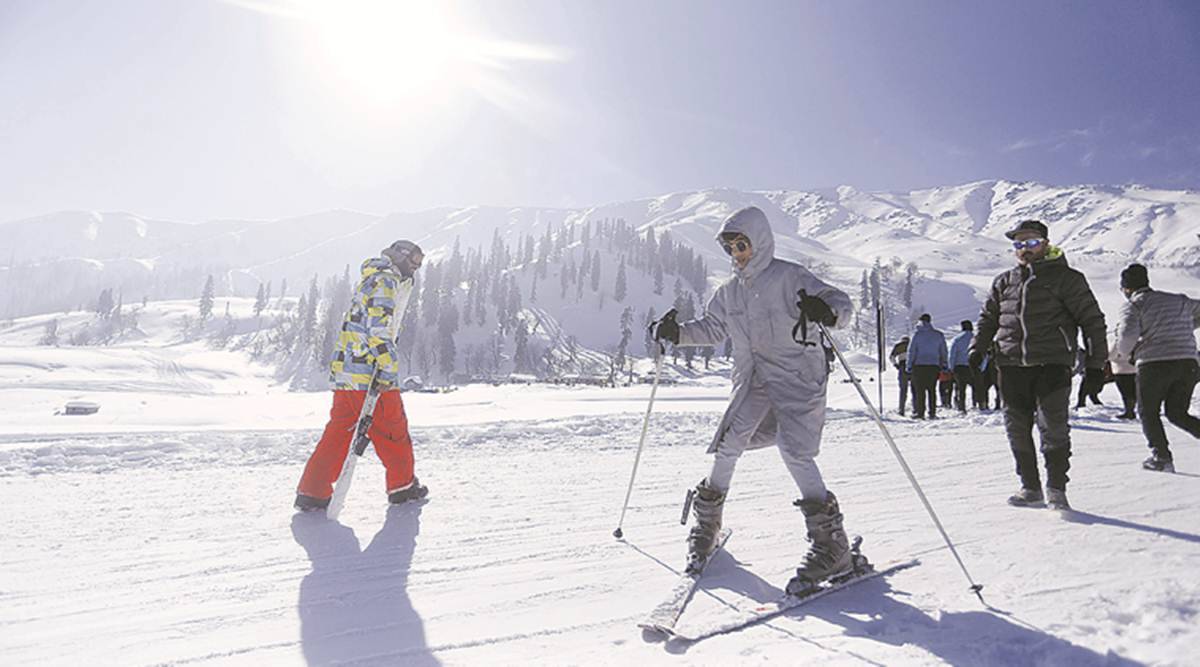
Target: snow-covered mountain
[
  {"x": 939, "y": 229},
  {"x": 539, "y": 266}
]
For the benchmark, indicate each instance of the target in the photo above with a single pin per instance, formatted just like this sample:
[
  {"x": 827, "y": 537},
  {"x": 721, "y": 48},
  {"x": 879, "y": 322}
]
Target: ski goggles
[
  {"x": 741, "y": 244},
  {"x": 1028, "y": 243}
]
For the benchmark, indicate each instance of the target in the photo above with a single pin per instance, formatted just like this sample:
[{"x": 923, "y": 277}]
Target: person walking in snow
[
  {"x": 1033, "y": 314},
  {"x": 1080, "y": 369},
  {"x": 1125, "y": 376},
  {"x": 779, "y": 385},
  {"x": 366, "y": 348},
  {"x": 899, "y": 357},
  {"x": 960, "y": 365},
  {"x": 1158, "y": 329},
  {"x": 927, "y": 358}
]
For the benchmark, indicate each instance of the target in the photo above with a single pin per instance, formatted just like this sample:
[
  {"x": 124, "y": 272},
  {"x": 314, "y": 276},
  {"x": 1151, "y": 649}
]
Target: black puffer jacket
[{"x": 1034, "y": 314}]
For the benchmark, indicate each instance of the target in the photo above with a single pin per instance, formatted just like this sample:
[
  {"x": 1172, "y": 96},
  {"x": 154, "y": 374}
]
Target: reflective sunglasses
[
  {"x": 1028, "y": 243},
  {"x": 740, "y": 244}
]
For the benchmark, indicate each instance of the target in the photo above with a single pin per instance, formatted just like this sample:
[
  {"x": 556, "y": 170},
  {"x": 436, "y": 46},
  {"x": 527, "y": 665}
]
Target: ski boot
[
  {"x": 1056, "y": 499},
  {"x": 1159, "y": 463},
  {"x": 708, "y": 505},
  {"x": 829, "y": 552},
  {"x": 310, "y": 504},
  {"x": 1027, "y": 497},
  {"x": 414, "y": 491}
]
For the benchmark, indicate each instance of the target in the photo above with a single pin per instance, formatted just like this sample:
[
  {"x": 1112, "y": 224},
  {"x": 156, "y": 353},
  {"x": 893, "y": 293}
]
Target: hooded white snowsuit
[{"x": 778, "y": 384}]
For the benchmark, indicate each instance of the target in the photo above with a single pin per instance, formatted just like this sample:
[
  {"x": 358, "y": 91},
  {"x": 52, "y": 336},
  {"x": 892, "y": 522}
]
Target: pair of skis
[{"x": 662, "y": 620}]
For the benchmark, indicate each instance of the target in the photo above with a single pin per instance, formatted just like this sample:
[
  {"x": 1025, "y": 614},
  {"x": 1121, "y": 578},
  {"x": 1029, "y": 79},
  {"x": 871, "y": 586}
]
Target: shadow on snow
[
  {"x": 354, "y": 605},
  {"x": 874, "y": 610}
]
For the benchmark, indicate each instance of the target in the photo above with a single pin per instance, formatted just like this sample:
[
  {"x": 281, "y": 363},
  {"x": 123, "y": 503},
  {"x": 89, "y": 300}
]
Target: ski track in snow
[{"x": 181, "y": 548}]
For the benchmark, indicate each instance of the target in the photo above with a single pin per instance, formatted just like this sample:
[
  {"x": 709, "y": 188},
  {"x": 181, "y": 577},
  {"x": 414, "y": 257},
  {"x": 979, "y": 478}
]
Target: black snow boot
[
  {"x": 707, "y": 507},
  {"x": 310, "y": 504},
  {"x": 829, "y": 552},
  {"x": 414, "y": 491}
]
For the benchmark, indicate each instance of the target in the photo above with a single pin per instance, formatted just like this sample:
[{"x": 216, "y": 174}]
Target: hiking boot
[
  {"x": 1127, "y": 415},
  {"x": 708, "y": 505},
  {"x": 829, "y": 550},
  {"x": 310, "y": 504},
  {"x": 1027, "y": 497},
  {"x": 1056, "y": 499},
  {"x": 414, "y": 491},
  {"x": 1159, "y": 463}
]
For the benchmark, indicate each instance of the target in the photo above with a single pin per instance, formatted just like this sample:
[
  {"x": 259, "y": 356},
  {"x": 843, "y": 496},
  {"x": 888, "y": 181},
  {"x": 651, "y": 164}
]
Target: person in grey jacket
[
  {"x": 927, "y": 358},
  {"x": 779, "y": 384},
  {"x": 1033, "y": 314},
  {"x": 1158, "y": 330}
]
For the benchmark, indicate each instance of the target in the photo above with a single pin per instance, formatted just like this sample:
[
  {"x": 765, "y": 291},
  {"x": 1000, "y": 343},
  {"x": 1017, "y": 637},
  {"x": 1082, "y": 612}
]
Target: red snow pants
[{"x": 388, "y": 432}]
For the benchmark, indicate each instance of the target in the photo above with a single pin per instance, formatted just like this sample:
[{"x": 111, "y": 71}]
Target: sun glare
[{"x": 387, "y": 51}]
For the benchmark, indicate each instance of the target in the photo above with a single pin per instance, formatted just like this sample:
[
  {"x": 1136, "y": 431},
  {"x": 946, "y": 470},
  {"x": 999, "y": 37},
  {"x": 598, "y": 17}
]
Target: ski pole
[
  {"x": 977, "y": 589},
  {"x": 658, "y": 362}
]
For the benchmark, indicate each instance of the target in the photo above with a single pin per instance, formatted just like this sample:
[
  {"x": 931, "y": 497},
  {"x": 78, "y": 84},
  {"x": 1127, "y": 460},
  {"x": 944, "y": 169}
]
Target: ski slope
[{"x": 159, "y": 540}]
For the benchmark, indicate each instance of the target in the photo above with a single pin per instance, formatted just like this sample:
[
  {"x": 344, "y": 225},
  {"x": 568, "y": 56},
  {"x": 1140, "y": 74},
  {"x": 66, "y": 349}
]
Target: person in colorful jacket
[
  {"x": 1033, "y": 314},
  {"x": 779, "y": 385},
  {"x": 1158, "y": 330},
  {"x": 366, "y": 349}
]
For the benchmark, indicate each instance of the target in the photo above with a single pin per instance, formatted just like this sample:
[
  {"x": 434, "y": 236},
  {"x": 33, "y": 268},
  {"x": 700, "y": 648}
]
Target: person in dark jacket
[
  {"x": 1158, "y": 330},
  {"x": 1034, "y": 313},
  {"x": 1080, "y": 370},
  {"x": 927, "y": 357},
  {"x": 960, "y": 365},
  {"x": 899, "y": 357}
]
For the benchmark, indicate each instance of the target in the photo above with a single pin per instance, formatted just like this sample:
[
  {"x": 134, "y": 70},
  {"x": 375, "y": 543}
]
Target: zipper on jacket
[
  {"x": 1066, "y": 341},
  {"x": 1021, "y": 316}
]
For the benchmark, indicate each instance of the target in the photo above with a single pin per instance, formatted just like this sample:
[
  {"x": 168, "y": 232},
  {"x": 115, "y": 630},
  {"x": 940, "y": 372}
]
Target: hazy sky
[{"x": 196, "y": 109}]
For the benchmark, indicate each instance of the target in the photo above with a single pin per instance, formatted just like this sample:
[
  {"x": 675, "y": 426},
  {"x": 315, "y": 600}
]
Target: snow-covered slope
[{"x": 178, "y": 545}]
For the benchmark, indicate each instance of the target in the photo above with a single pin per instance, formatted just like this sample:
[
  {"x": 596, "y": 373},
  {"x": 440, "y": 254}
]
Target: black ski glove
[
  {"x": 667, "y": 328},
  {"x": 974, "y": 359},
  {"x": 816, "y": 310},
  {"x": 1093, "y": 380}
]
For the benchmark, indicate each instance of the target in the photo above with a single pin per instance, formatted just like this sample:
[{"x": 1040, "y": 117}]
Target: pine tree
[
  {"x": 595, "y": 271},
  {"x": 910, "y": 279},
  {"x": 260, "y": 300},
  {"x": 447, "y": 325},
  {"x": 658, "y": 278},
  {"x": 514, "y": 300},
  {"x": 104, "y": 304},
  {"x": 206, "y": 299},
  {"x": 626, "y": 334},
  {"x": 864, "y": 295},
  {"x": 622, "y": 288},
  {"x": 521, "y": 353}
]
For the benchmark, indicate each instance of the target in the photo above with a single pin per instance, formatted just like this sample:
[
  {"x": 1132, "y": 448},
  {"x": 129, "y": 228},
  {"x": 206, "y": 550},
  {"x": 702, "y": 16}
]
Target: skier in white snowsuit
[{"x": 778, "y": 383}]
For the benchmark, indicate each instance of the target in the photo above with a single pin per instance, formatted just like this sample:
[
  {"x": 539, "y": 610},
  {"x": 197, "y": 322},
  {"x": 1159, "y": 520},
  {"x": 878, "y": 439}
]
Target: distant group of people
[
  {"x": 941, "y": 375},
  {"x": 1026, "y": 345}
]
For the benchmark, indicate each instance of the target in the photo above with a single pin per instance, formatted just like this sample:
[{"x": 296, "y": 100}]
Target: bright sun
[{"x": 387, "y": 51}]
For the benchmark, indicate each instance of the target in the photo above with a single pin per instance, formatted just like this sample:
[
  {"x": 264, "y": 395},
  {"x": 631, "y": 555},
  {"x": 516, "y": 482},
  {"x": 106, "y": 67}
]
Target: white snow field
[{"x": 144, "y": 537}]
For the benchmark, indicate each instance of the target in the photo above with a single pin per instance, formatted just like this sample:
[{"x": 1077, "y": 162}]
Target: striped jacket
[
  {"x": 1158, "y": 326},
  {"x": 369, "y": 330}
]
